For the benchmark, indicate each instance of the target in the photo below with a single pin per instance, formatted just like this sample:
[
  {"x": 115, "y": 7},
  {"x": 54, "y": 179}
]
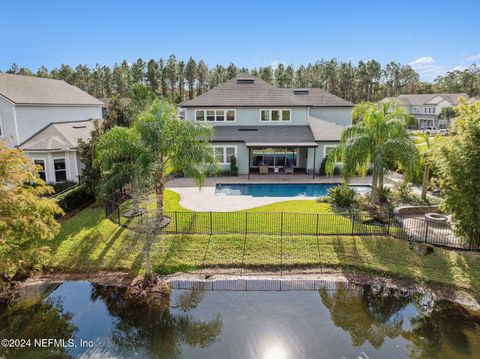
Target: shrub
[
  {"x": 61, "y": 186},
  {"x": 403, "y": 190},
  {"x": 74, "y": 198},
  {"x": 233, "y": 166},
  {"x": 342, "y": 196},
  {"x": 322, "y": 171},
  {"x": 384, "y": 194}
]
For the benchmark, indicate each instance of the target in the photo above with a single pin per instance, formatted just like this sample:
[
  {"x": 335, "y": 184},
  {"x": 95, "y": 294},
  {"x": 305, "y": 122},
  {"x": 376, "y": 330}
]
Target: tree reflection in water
[
  {"x": 40, "y": 319},
  {"x": 157, "y": 329},
  {"x": 373, "y": 313}
]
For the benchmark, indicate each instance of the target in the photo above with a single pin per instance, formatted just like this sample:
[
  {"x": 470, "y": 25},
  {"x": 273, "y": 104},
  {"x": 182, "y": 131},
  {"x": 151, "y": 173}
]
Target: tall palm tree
[
  {"x": 424, "y": 149},
  {"x": 378, "y": 139}
]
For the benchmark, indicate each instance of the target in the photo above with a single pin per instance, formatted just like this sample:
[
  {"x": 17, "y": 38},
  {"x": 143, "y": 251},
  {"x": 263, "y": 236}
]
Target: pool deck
[{"x": 205, "y": 199}]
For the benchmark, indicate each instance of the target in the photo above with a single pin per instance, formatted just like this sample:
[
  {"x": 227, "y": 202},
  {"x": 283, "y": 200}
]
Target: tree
[
  {"x": 202, "y": 76},
  {"x": 27, "y": 214},
  {"x": 190, "y": 75},
  {"x": 425, "y": 152},
  {"x": 152, "y": 74},
  {"x": 457, "y": 164},
  {"x": 447, "y": 113},
  {"x": 171, "y": 72},
  {"x": 379, "y": 139},
  {"x": 156, "y": 146}
]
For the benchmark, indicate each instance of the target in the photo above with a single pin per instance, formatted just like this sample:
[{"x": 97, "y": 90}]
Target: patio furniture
[
  {"x": 263, "y": 169},
  {"x": 289, "y": 169},
  {"x": 276, "y": 169}
]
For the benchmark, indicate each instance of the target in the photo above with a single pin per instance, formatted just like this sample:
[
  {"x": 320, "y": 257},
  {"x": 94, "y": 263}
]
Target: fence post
[
  {"x": 316, "y": 225},
  {"x": 281, "y": 224},
  {"x": 211, "y": 223},
  {"x": 246, "y": 222},
  {"x": 390, "y": 215},
  {"x": 426, "y": 232},
  {"x": 118, "y": 214},
  {"x": 176, "y": 223},
  {"x": 353, "y": 223}
]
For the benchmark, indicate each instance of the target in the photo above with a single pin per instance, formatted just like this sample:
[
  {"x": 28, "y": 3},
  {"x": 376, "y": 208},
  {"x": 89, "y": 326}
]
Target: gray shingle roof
[
  {"x": 59, "y": 136},
  {"x": 125, "y": 101},
  {"x": 233, "y": 94},
  {"x": 423, "y": 99},
  {"x": 317, "y": 97},
  {"x": 264, "y": 134},
  {"x": 325, "y": 130},
  {"x": 39, "y": 91}
]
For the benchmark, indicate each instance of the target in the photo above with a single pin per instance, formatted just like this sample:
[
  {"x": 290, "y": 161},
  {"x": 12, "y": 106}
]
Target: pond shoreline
[{"x": 123, "y": 279}]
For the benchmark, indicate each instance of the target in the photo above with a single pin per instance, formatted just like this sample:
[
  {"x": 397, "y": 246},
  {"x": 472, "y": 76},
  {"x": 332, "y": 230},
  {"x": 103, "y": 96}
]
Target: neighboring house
[
  {"x": 45, "y": 118},
  {"x": 263, "y": 125},
  {"x": 427, "y": 107}
]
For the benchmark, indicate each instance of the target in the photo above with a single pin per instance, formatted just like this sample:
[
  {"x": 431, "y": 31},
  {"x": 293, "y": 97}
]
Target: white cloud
[
  {"x": 473, "y": 58},
  {"x": 274, "y": 64},
  {"x": 427, "y": 68},
  {"x": 458, "y": 68}
]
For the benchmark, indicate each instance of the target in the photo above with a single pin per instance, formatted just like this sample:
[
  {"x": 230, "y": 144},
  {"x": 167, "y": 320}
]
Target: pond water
[{"x": 353, "y": 322}]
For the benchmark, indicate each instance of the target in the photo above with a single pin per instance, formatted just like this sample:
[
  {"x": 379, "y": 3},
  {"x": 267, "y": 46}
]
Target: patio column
[{"x": 314, "y": 159}]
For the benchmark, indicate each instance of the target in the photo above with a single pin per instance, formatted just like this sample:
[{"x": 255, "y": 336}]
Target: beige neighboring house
[
  {"x": 427, "y": 107},
  {"x": 45, "y": 118}
]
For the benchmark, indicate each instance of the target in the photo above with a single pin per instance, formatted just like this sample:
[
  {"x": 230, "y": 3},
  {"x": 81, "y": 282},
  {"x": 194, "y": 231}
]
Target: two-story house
[
  {"x": 266, "y": 126},
  {"x": 427, "y": 107},
  {"x": 45, "y": 118}
]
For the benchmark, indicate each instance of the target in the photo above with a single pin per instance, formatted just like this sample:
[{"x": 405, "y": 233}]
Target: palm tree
[
  {"x": 156, "y": 146},
  {"x": 424, "y": 149},
  {"x": 378, "y": 139}
]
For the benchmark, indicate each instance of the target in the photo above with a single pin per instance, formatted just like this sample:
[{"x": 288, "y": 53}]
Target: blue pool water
[{"x": 281, "y": 189}]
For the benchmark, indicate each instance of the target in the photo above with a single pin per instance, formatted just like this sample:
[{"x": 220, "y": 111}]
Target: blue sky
[{"x": 433, "y": 36}]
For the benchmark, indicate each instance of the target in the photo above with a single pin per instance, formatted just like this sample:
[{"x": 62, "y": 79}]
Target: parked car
[
  {"x": 444, "y": 131},
  {"x": 431, "y": 130}
]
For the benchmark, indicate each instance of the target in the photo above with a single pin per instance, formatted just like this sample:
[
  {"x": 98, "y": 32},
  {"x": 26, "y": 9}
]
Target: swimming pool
[{"x": 281, "y": 189}]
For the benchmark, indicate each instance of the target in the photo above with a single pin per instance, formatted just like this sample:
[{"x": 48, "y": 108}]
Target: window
[
  {"x": 41, "y": 169},
  {"x": 215, "y": 115},
  {"x": 199, "y": 115},
  {"x": 225, "y": 153},
  {"x": 210, "y": 115},
  {"x": 220, "y": 115},
  {"x": 275, "y": 115},
  {"x": 60, "y": 170},
  {"x": 231, "y": 115},
  {"x": 274, "y": 157}
]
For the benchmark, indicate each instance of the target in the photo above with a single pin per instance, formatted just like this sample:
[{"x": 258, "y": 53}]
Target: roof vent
[
  {"x": 300, "y": 92},
  {"x": 80, "y": 126},
  {"x": 247, "y": 129},
  {"x": 244, "y": 81}
]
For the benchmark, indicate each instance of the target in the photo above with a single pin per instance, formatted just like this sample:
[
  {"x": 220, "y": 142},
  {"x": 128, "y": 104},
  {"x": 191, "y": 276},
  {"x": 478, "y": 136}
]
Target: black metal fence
[{"x": 308, "y": 224}]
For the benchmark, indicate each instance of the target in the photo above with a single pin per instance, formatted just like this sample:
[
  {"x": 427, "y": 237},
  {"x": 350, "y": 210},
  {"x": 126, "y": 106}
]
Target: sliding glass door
[{"x": 275, "y": 157}]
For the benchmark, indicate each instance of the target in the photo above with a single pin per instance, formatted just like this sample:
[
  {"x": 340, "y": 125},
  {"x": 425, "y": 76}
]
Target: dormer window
[{"x": 243, "y": 81}]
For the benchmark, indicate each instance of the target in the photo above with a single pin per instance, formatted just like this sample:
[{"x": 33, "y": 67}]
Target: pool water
[
  {"x": 281, "y": 189},
  {"x": 335, "y": 322}
]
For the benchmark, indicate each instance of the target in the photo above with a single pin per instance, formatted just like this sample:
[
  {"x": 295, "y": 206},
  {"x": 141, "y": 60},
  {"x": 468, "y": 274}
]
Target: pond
[{"x": 344, "y": 322}]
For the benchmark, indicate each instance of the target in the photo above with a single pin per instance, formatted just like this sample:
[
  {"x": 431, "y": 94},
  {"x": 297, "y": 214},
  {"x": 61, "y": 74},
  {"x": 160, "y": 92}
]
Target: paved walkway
[{"x": 205, "y": 199}]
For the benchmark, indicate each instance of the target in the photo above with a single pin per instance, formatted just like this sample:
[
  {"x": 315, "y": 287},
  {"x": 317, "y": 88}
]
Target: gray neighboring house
[
  {"x": 45, "y": 118},
  {"x": 263, "y": 125},
  {"x": 427, "y": 107}
]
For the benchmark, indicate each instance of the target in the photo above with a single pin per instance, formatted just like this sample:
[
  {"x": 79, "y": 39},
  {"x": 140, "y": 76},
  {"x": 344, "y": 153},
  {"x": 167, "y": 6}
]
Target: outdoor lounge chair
[{"x": 289, "y": 169}]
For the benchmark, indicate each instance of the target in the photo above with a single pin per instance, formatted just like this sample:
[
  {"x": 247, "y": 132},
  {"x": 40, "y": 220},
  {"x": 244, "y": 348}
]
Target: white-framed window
[
  {"x": 60, "y": 169},
  {"x": 275, "y": 115},
  {"x": 42, "y": 170},
  {"x": 327, "y": 149},
  {"x": 417, "y": 110},
  {"x": 214, "y": 115},
  {"x": 225, "y": 153}
]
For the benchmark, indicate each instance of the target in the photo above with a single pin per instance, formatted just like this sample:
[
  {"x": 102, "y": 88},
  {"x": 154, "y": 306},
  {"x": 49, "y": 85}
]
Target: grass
[{"x": 88, "y": 243}]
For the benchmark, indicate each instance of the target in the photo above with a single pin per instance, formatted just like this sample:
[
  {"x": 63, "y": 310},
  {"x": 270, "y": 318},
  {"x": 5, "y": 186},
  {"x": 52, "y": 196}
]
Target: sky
[{"x": 432, "y": 36}]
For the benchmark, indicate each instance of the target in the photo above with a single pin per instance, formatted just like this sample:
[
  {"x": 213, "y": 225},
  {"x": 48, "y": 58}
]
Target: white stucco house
[{"x": 45, "y": 118}]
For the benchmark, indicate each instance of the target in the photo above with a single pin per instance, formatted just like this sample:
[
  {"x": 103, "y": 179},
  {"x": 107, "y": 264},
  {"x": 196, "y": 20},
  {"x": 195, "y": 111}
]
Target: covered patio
[{"x": 280, "y": 158}]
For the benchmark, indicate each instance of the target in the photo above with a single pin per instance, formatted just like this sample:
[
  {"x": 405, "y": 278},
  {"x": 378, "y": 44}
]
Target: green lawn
[{"x": 88, "y": 242}]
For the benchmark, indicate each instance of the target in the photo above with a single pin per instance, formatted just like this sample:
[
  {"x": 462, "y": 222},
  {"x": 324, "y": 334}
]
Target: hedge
[{"x": 74, "y": 198}]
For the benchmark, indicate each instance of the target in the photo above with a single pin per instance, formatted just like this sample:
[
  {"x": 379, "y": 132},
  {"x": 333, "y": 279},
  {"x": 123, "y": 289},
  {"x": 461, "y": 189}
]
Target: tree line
[{"x": 180, "y": 80}]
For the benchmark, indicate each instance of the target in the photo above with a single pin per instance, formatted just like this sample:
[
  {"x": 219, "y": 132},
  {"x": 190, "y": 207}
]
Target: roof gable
[
  {"x": 23, "y": 90},
  {"x": 317, "y": 97}
]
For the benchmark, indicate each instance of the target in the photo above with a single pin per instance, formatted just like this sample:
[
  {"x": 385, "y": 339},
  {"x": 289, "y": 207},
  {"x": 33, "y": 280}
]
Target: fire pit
[{"x": 436, "y": 217}]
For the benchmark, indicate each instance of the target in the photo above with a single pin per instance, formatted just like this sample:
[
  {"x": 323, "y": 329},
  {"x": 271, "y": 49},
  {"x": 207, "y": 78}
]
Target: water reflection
[{"x": 358, "y": 321}]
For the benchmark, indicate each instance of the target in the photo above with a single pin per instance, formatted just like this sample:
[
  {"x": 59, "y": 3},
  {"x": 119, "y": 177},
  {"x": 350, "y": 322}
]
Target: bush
[
  {"x": 74, "y": 198},
  {"x": 233, "y": 166},
  {"x": 403, "y": 191},
  {"x": 322, "y": 171},
  {"x": 342, "y": 196},
  {"x": 61, "y": 186},
  {"x": 384, "y": 194}
]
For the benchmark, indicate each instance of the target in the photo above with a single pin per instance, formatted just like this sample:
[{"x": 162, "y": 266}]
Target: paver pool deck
[{"x": 205, "y": 199}]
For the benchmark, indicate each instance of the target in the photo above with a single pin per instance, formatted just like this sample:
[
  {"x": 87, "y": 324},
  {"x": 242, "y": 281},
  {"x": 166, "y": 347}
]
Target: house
[
  {"x": 266, "y": 126},
  {"x": 45, "y": 118},
  {"x": 427, "y": 107}
]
